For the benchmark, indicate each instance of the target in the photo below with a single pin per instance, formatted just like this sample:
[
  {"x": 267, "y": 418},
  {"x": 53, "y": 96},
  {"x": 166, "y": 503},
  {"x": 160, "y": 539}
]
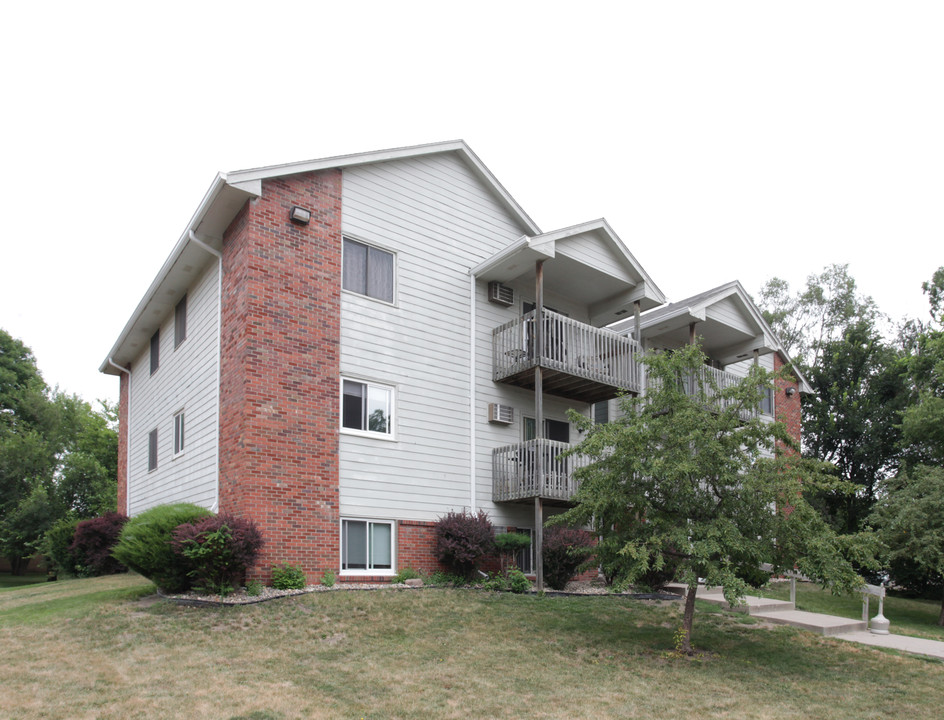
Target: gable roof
[
  {"x": 223, "y": 200},
  {"x": 677, "y": 316}
]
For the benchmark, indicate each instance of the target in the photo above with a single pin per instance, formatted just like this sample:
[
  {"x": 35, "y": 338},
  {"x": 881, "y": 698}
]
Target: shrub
[
  {"x": 254, "y": 588},
  {"x": 511, "y": 581},
  {"x": 462, "y": 539},
  {"x": 56, "y": 544},
  {"x": 405, "y": 574},
  {"x": 438, "y": 577},
  {"x": 565, "y": 551},
  {"x": 288, "y": 577},
  {"x": 93, "y": 542},
  {"x": 218, "y": 549},
  {"x": 509, "y": 544},
  {"x": 328, "y": 578},
  {"x": 144, "y": 545}
]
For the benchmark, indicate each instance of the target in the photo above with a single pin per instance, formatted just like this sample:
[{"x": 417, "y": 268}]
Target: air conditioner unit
[
  {"x": 504, "y": 414},
  {"x": 501, "y": 294}
]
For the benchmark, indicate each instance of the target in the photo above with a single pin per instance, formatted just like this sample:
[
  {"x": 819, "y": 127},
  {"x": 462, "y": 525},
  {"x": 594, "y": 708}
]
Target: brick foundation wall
[
  {"x": 416, "y": 546},
  {"x": 787, "y": 408},
  {"x": 125, "y": 381},
  {"x": 280, "y": 364}
]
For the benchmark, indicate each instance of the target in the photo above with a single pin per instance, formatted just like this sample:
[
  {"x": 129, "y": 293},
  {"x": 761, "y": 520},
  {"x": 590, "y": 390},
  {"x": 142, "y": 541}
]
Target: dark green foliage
[
  {"x": 512, "y": 580},
  {"x": 254, "y": 588},
  {"x": 55, "y": 548},
  {"x": 145, "y": 544},
  {"x": 219, "y": 549},
  {"x": 93, "y": 542},
  {"x": 565, "y": 551},
  {"x": 462, "y": 540},
  {"x": 405, "y": 574},
  {"x": 288, "y": 577},
  {"x": 444, "y": 579},
  {"x": 511, "y": 543}
]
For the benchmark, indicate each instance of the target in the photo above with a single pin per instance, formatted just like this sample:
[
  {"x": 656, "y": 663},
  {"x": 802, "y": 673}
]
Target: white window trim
[
  {"x": 393, "y": 547},
  {"x": 374, "y": 435},
  {"x": 180, "y": 414},
  {"x": 396, "y": 270}
]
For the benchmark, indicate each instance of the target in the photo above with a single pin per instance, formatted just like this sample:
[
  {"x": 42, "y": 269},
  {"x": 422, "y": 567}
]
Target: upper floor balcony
[
  {"x": 535, "y": 468},
  {"x": 580, "y": 362},
  {"x": 712, "y": 382}
]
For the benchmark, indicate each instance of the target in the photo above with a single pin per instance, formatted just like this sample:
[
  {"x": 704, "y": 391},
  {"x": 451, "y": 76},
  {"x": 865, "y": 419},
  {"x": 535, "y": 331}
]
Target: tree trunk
[
  {"x": 940, "y": 620},
  {"x": 687, "y": 620},
  {"x": 16, "y": 565}
]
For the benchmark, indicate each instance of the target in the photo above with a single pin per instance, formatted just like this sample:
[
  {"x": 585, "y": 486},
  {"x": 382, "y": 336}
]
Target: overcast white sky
[{"x": 721, "y": 140}]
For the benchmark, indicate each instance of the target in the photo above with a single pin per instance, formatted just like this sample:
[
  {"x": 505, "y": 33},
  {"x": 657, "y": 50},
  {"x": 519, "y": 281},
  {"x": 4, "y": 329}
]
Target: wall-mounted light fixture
[
  {"x": 300, "y": 215},
  {"x": 791, "y": 391}
]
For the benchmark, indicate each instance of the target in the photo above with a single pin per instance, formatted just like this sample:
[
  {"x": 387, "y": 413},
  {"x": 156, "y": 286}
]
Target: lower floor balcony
[{"x": 535, "y": 469}]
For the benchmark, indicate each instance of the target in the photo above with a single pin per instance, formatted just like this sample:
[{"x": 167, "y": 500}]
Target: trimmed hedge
[{"x": 145, "y": 544}]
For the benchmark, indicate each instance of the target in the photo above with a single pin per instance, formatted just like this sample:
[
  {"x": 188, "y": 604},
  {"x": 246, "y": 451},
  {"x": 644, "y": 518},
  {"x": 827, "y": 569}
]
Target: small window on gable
[
  {"x": 180, "y": 322},
  {"x": 367, "y": 270},
  {"x": 367, "y": 407},
  {"x": 155, "y": 351},
  {"x": 178, "y": 433},
  {"x": 152, "y": 450}
]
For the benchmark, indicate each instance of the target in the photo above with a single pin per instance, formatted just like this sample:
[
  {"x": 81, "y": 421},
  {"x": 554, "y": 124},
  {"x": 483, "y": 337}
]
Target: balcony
[
  {"x": 714, "y": 381},
  {"x": 515, "y": 476},
  {"x": 580, "y": 362}
]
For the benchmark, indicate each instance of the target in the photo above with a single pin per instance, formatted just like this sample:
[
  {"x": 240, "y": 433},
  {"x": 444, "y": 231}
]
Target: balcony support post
[
  {"x": 538, "y": 424},
  {"x": 637, "y": 333}
]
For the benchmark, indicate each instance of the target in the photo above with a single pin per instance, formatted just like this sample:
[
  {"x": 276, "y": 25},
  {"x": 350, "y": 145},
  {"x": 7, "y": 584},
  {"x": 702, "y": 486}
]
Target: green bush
[
  {"x": 56, "y": 544},
  {"x": 441, "y": 578},
  {"x": 328, "y": 578},
  {"x": 511, "y": 581},
  {"x": 288, "y": 577},
  {"x": 145, "y": 545},
  {"x": 405, "y": 574},
  {"x": 254, "y": 588}
]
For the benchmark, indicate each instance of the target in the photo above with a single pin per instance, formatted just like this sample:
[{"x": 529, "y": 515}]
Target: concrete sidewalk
[{"x": 784, "y": 612}]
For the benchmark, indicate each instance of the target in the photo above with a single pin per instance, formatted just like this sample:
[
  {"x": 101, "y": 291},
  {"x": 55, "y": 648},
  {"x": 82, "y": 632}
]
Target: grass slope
[{"x": 93, "y": 649}]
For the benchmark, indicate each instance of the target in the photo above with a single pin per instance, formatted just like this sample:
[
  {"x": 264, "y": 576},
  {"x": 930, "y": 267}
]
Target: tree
[
  {"x": 682, "y": 476},
  {"x": 57, "y": 455},
  {"x": 910, "y": 517}
]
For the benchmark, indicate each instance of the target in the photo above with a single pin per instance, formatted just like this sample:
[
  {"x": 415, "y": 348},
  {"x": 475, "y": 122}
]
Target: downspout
[
  {"x": 219, "y": 351},
  {"x": 128, "y": 443},
  {"x": 472, "y": 391}
]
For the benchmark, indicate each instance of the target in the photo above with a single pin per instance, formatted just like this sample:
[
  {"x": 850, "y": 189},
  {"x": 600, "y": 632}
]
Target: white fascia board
[
  {"x": 378, "y": 156},
  {"x": 216, "y": 188},
  {"x": 513, "y": 260}
]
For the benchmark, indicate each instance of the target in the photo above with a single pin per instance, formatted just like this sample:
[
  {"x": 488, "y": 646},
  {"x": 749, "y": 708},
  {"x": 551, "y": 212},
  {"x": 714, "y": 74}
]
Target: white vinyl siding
[
  {"x": 187, "y": 378},
  {"x": 439, "y": 220}
]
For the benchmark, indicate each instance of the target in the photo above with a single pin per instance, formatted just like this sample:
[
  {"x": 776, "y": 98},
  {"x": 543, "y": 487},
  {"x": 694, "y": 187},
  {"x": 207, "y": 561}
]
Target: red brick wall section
[
  {"x": 280, "y": 364},
  {"x": 787, "y": 408},
  {"x": 416, "y": 546},
  {"x": 123, "y": 442}
]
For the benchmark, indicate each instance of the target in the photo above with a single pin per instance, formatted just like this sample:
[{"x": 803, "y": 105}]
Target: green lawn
[
  {"x": 908, "y": 616},
  {"x": 101, "y": 649},
  {"x": 14, "y": 581}
]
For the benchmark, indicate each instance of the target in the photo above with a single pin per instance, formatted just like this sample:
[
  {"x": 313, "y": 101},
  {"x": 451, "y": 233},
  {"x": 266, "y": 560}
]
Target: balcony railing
[
  {"x": 715, "y": 381},
  {"x": 597, "y": 356},
  {"x": 515, "y": 472}
]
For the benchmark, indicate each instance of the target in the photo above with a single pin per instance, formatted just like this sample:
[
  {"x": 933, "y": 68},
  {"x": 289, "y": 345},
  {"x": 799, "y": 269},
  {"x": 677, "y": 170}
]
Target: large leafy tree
[
  {"x": 57, "y": 455},
  {"x": 910, "y": 515},
  {"x": 685, "y": 477}
]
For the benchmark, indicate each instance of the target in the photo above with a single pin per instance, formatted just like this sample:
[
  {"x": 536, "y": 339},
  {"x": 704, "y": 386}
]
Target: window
[
  {"x": 524, "y": 558},
  {"x": 152, "y": 450},
  {"x": 367, "y": 407},
  {"x": 178, "y": 433},
  {"x": 366, "y": 545},
  {"x": 601, "y": 412},
  {"x": 180, "y": 322},
  {"x": 367, "y": 270},
  {"x": 155, "y": 351},
  {"x": 553, "y": 430},
  {"x": 767, "y": 402}
]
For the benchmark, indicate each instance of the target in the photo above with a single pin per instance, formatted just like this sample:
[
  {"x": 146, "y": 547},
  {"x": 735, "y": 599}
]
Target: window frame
[
  {"x": 393, "y": 269},
  {"x": 180, "y": 322},
  {"x": 155, "y": 351},
  {"x": 528, "y": 551},
  {"x": 391, "y": 434},
  {"x": 152, "y": 450},
  {"x": 343, "y": 547},
  {"x": 180, "y": 433}
]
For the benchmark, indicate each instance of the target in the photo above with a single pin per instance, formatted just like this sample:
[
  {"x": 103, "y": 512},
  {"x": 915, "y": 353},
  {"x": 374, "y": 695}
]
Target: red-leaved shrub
[
  {"x": 217, "y": 550},
  {"x": 92, "y": 544},
  {"x": 462, "y": 539},
  {"x": 565, "y": 550}
]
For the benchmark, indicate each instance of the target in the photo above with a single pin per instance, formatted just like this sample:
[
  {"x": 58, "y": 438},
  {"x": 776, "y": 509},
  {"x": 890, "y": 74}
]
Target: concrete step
[
  {"x": 750, "y": 604},
  {"x": 816, "y": 622}
]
